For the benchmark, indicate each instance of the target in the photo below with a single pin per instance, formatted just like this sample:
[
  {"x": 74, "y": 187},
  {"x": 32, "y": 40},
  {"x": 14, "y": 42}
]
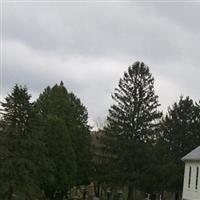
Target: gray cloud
[{"x": 90, "y": 45}]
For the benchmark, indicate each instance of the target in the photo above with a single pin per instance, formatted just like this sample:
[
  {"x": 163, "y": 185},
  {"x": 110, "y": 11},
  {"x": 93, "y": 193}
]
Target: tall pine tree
[
  {"x": 131, "y": 125},
  {"x": 22, "y": 153}
]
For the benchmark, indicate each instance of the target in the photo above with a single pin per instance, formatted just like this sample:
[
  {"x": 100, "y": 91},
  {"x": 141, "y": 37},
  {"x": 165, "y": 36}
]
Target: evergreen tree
[
  {"x": 66, "y": 106},
  {"x": 60, "y": 175},
  {"x": 100, "y": 164},
  {"x": 158, "y": 178},
  {"x": 132, "y": 124},
  {"x": 22, "y": 153},
  {"x": 180, "y": 132}
]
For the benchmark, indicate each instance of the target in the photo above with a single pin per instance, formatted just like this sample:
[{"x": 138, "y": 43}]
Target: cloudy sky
[{"x": 89, "y": 45}]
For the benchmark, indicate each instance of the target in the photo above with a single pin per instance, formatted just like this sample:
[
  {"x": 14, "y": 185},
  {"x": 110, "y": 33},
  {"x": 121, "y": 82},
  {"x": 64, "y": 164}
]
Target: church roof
[{"x": 194, "y": 155}]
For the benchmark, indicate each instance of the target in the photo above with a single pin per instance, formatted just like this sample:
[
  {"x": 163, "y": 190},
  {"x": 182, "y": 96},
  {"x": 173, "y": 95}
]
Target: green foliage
[
  {"x": 21, "y": 150},
  {"x": 61, "y": 156},
  {"x": 132, "y": 124},
  {"x": 134, "y": 113},
  {"x": 158, "y": 177},
  {"x": 46, "y": 145},
  {"x": 100, "y": 164},
  {"x": 181, "y": 127},
  {"x": 180, "y": 132},
  {"x": 59, "y": 102}
]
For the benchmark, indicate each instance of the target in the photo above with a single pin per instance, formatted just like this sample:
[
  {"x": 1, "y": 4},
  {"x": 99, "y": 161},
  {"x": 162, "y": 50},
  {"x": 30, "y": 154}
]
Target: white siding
[{"x": 191, "y": 193}]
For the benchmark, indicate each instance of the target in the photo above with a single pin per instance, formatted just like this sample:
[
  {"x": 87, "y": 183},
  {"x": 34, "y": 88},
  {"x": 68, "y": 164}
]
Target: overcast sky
[{"x": 89, "y": 45}]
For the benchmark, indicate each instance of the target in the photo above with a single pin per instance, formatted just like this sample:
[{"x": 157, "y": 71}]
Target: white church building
[{"x": 191, "y": 184}]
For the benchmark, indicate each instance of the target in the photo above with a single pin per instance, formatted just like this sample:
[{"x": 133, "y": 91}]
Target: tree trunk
[
  {"x": 10, "y": 193},
  {"x": 153, "y": 196},
  {"x": 162, "y": 195},
  {"x": 176, "y": 196},
  {"x": 130, "y": 192},
  {"x": 97, "y": 189}
]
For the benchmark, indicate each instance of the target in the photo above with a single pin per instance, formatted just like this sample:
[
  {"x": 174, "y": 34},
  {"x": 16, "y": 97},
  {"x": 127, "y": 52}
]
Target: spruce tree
[
  {"x": 180, "y": 132},
  {"x": 22, "y": 153},
  {"x": 132, "y": 124},
  {"x": 61, "y": 174},
  {"x": 65, "y": 105}
]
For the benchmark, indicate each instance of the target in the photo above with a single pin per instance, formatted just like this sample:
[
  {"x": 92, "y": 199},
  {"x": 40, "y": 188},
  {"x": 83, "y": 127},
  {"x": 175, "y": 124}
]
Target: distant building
[{"x": 191, "y": 184}]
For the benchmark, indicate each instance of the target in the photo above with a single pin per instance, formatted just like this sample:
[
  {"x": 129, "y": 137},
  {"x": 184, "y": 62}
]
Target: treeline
[
  {"x": 141, "y": 148},
  {"x": 46, "y": 146}
]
